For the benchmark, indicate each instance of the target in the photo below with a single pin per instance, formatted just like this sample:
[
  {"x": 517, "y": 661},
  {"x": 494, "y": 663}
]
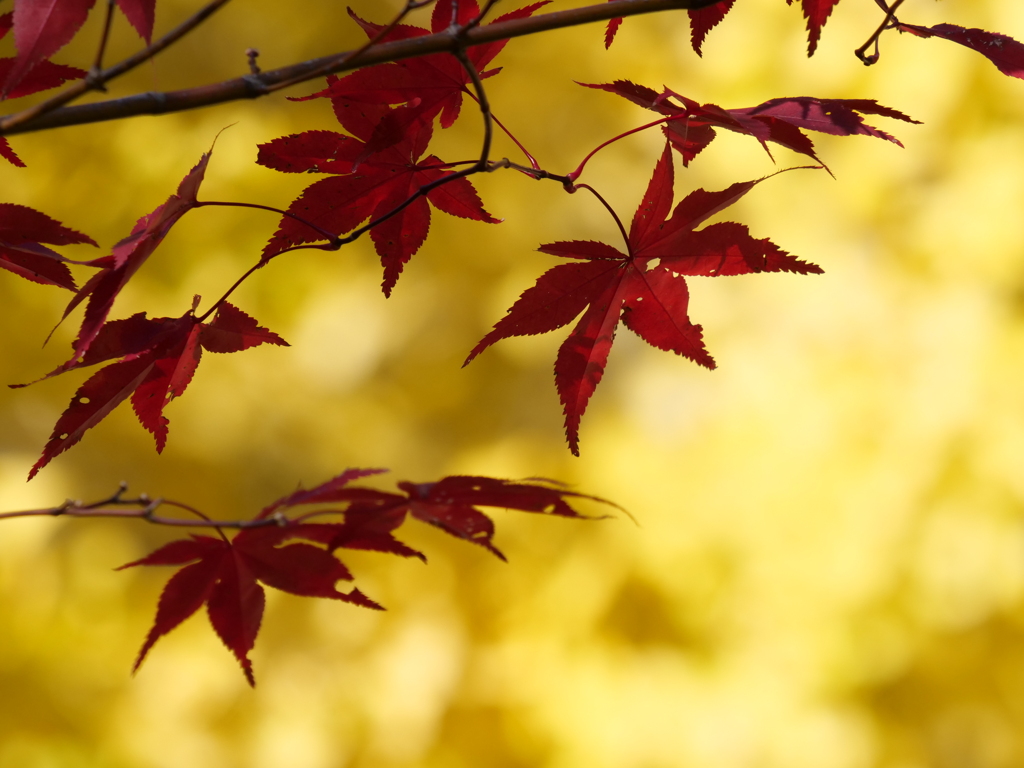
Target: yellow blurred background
[{"x": 828, "y": 566}]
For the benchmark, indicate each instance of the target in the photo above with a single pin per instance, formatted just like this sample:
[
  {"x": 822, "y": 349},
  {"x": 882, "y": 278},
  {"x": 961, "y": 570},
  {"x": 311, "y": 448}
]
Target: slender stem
[
  {"x": 890, "y": 14},
  {"x": 331, "y": 246},
  {"x": 516, "y": 141},
  {"x": 484, "y": 104},
  {"x": 327, "y": 235},
  {"x": 16, "y": 123},
  {"x": 234, "y": 286},
  {"x": 575, "y": 174},
  {"x": 611, "y": 210},
  {"x": 110, "y": 508},
  {"x": 97, "y": 66},
  {"x": 385, "y": 30},
  {"x": 252, "y": 86}
]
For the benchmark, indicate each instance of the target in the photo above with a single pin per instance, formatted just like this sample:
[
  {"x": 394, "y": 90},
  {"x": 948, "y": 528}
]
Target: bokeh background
[{"x": 827, "y": 568}]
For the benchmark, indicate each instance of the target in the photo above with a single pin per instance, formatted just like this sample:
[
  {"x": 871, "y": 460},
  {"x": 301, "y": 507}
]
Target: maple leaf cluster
[
  {"x": 380, "y": 171},
  {"x": 40, "y": 30},
  {"x": 296, "y": 556},
  {"x": 380, "y": 180},
  {"x": 156, "y": 357},
  {"x": 645, "y": 287}
]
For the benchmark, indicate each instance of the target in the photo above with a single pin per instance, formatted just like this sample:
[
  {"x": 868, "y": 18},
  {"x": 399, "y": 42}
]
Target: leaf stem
[
  {"x": 97, "y": 66},
  {"x": 289, "y": 214},
  {"x": 611, "y": 210},
  {"x": 890, "y": 15},
  {"x": 579, "y": 169}
]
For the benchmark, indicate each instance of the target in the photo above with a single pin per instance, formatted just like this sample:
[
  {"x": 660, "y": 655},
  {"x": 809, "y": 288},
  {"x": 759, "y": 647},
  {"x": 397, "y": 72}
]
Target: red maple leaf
[
  {"x": 816, "y": 12},
  {"x": 126, "y": 258},
  {"x": 428, "y": 85},
  {"x": 224, "y": 575},
  {"x": 777, "y": 120},
  {"x": 1003, "y": 51},
  {"x": 43, "y": 27},
  {"x": 379, "y": 184},
  {"x": 43, "y": 77},
  {"x": 158, "y": 357},
  {"x": 450, "y": 504},
  {"x": 702, "y": 21},
  {"x": 644, "y": 287},
  {"x": 140, "y": 14},
  {"x": 22, "y": 232}
]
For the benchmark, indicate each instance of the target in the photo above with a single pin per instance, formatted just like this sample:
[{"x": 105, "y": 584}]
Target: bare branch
[
  {"x": 96, "y": 80},
  {"x": 253, "y": 86},
  {"x": 144, "y": 509}
]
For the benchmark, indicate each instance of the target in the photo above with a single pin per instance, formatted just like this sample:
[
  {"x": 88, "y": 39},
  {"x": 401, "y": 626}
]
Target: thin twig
[
  {"x": 113, "y": 507},
  {"x": 611, "y": 210},
  {"x": 253, "y": 86},
  {"x": 319, "y": 230},
  {"x": 16, "y": 123},
  {"x": 579, "y": 169},
  {"x": 97, "y": 66},
  {"x": 890, "y": 15}
]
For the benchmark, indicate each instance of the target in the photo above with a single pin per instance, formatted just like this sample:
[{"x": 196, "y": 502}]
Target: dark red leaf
[
  {"x": 232, "y": 331},
  {"x": 6, "y": 22},
  {"x": 301, "y": 569},
  {"x": 370, "y": 527},
  {"x": 298, "y": 557},
  {"x": 171, "y": 373},
  {"x": 334, "y": 490},
  {"x": 429, "y": 85},
  {"x": 41, "y": 28},
  {"x": 100, "y": 394},
  {"x": 779, "y": 120},
  {"x": 536, "y": 495},
  {"x": 128, "y": 255},
  {"x": 816, "y": 12},
  {"x": 42, "y": 77},
  {"x": 703, "y": 20},
  {"x": 20, "y": 224},
  {"x": 611, "y": 30},
  {"x": 225, "y": 579},
  {"x": 183, "y": 595},
  {"x": 8, "y": 154},
  {"x": 1003, "y": 51},
  {"x": 159, "y": 358},
  {"x": 22, "y": 230},
  {"x": 235, "y": 607},
  {"x": 140, "y": 14},
  {"x": 650, "y": 298},
  {"x": 366, "y": 187}
]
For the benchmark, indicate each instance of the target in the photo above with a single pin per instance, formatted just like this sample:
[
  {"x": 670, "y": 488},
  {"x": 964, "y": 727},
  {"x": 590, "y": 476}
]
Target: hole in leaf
[
  {"x": 83, "y": 400},
  {"x": 63, "y": 436}
]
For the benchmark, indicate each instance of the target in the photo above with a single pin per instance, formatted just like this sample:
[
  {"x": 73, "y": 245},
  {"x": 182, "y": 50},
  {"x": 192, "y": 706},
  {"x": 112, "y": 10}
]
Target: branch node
[
  {"x": 95, "y": 80},
  {"x": 254, "y": 86},
  {"x": 252, "y": 54}
]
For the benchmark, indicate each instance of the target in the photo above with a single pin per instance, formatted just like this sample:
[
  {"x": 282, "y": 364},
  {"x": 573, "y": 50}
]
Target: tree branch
[
  {"x": 255, "y": 85},
  {"x": 96, "y": 79}
]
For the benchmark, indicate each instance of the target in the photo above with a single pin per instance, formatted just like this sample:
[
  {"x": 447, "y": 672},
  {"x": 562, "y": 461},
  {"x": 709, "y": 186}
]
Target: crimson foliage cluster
[{"x": 378, "y": 179}]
